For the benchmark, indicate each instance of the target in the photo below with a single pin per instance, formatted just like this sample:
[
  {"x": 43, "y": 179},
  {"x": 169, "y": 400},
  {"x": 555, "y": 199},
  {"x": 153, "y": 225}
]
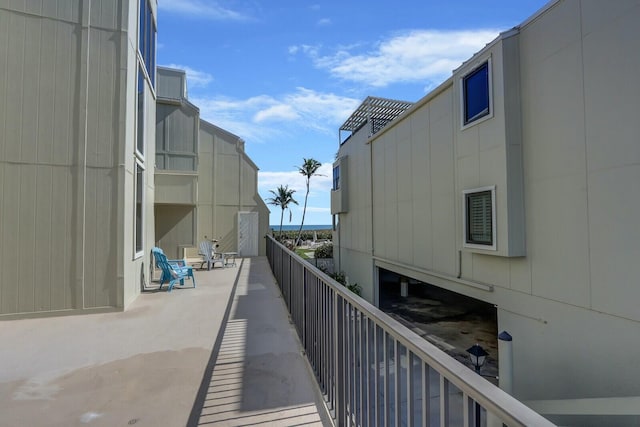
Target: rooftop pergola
[{"x": 378, "y": 112}]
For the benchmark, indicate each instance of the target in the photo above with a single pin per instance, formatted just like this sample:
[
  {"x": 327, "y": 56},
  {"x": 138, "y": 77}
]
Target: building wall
[
  {"x": 565, "y": 124},
  {"x": 177, "y": 136},
  {"x": 352, "y": 238},
  {"x": 67, "y": 115},
  {"x": 176, "y": 164},
  {"x": 227, "y": 184}
]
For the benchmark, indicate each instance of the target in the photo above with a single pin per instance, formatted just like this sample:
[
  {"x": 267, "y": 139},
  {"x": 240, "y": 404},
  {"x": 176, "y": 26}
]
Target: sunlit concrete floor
[{"x": 222, "y": 354}]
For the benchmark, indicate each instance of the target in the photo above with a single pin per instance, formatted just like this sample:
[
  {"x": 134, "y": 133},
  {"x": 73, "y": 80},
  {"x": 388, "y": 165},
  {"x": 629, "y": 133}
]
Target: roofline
[
  {"x": 418, "y": 104},
  {"x": 215, "y": 128},
  {"x": 449, "y": 81},
  {"x": 218, "y": 128}
]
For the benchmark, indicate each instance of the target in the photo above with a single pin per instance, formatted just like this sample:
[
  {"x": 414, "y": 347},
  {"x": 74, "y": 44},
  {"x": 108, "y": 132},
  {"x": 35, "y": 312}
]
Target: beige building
[
  {"x": 79, "y": 172},
  {"x": 77, "y": 107},
  {"x": 515, "y": 182},
  {"x": 206, "y": 185}
]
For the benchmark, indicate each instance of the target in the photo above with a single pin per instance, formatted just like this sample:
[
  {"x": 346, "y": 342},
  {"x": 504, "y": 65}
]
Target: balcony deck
[{"x": 221, "y": 354}]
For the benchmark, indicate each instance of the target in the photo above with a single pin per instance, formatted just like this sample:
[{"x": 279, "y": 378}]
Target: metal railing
[{"x": 372, "y": 370}]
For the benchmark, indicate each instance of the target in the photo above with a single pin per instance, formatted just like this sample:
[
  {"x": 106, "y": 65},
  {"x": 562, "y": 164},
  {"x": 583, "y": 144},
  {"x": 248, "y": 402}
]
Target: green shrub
[
  {"x": 324, "y": 251},
  {"x": 306, "y": 234},
  {"x": 342, "y": 279},
  {"x": 339, "y": 277},
  {"x": 356, "y": 289}
]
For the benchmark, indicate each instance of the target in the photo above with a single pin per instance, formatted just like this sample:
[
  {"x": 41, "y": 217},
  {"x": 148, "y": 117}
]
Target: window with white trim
[
  {"x": 147, "y": 40},
  {"x": 480, "y": 218},
  {"x": 139, "y": 210},
  {"x": 140, "y": 115},
  {"x": 336, "y": 177},
  {"x": 476, "y": 94}
]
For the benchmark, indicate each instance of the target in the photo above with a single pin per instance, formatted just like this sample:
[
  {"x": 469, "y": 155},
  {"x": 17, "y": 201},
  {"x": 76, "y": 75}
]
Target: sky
[{"x": 284, "y": 75}]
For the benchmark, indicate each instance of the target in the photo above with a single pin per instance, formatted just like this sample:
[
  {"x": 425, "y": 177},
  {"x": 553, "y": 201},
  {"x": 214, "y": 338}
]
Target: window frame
[
  {"x": 140, "y": 114},
  {"x": 465, "y": 219},
  {"x": 336, "y": 178},
  {"x": 138, "y": 217},
  {"x": 478, "y": 118},
  {"x": 147, "y": 40}
]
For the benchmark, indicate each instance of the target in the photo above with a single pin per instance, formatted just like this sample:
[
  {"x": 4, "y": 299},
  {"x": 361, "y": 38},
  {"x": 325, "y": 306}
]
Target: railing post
[
  {"x": 338, "y": 315},
  {"x": 304, "y": 311}
]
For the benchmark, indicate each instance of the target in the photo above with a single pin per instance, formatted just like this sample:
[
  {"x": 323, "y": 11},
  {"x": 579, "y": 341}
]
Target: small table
[{"x": 229, "y": 258}]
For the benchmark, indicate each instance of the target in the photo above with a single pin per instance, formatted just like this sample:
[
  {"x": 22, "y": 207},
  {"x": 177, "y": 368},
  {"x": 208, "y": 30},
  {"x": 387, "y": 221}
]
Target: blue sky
[{"x": 285, "y": 74}]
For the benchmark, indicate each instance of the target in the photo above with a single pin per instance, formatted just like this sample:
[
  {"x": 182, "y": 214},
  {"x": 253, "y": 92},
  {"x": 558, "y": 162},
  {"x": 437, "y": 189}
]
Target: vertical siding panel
[
  {"x": 14, "y": 88},
  {"x": 10, "y": 238},
  {"x": 61, "y": 280},
  {"x": 31, "y": 71},
  {"x": 69, "y": 10},
  {"x": 26, "y": 237},
  {"x": 44, "y": 246},
  {"x": 92, "y": 270},
  {"x": 106, "y": 249},
  {"x": 94, "y": 137},
  {"x": 3, "y": 226},
  {"x": 19, "y": 5},
  {"x": 66, "y": 79},
  {"x": 46, "y": 84},
  {"x": 4, "y": 81},
  {"x": 101, "y": 173},
  {"x": 50, "y": 8},
  {"x": 34, "y": 6}
]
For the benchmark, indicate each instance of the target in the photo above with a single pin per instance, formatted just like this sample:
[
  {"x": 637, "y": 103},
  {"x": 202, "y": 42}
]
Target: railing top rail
[{"x": 495, "y": 400}]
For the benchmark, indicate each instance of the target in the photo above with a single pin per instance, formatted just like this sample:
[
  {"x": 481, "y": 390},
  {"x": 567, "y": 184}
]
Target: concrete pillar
[{"x": 404, "y": 288}]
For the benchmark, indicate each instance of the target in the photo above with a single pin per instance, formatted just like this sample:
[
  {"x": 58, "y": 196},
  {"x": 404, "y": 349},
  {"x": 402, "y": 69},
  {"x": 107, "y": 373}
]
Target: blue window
[
  {"x": 147, "y": 39},
  {"x": 336, "y": 177},
  {"x": 475, "y": 87}
]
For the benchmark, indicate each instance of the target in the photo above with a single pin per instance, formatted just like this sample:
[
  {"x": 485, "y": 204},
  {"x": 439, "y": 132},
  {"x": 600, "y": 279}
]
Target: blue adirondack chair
[{"x": 173, "y": 270}]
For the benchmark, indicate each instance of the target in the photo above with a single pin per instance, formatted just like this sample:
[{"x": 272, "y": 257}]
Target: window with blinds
[{"x": 479, "y": 221}]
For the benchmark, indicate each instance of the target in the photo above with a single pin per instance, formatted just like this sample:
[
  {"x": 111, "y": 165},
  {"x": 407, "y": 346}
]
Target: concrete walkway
[{"x": 222, "y": 354}]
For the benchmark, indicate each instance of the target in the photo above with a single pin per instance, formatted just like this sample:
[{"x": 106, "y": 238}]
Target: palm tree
[
  {"x": 309, "y": 168},
  {"x": 282, "y": 197}
]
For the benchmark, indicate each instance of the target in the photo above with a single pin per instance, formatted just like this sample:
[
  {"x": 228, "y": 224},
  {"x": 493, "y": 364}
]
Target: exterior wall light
[{"x": 478, "y": 356}]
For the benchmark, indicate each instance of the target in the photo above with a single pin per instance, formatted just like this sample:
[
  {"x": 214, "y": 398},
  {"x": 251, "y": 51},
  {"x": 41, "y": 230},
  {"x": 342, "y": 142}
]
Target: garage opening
[{"x": 451, "y": 321}]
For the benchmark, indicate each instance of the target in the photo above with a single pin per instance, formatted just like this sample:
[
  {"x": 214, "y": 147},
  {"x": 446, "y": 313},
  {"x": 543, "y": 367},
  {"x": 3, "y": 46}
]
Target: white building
[{"x": 516, "y": 182}]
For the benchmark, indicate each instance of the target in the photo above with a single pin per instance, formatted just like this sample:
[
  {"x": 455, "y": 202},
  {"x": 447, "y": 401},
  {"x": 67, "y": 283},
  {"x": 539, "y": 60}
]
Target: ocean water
[{"x": 289, "y": 227}]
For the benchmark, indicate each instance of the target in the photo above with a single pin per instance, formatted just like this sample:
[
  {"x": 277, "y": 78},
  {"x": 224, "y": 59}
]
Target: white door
[{"x": 248, "y": 233}]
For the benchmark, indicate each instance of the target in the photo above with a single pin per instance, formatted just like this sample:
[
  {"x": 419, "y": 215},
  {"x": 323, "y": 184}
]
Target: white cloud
[
  {"x": 276, "y": 112},
  {"x": 202, "y": 9},
  {"x": 262, "y": 117},
  {"x": 195, "y": 78},
  {"x": 415, "y": 56},
  {"x": 324, "y": 22}
]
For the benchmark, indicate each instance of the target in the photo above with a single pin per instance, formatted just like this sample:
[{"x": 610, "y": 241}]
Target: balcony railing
[{"x": 372, "y": 370}]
